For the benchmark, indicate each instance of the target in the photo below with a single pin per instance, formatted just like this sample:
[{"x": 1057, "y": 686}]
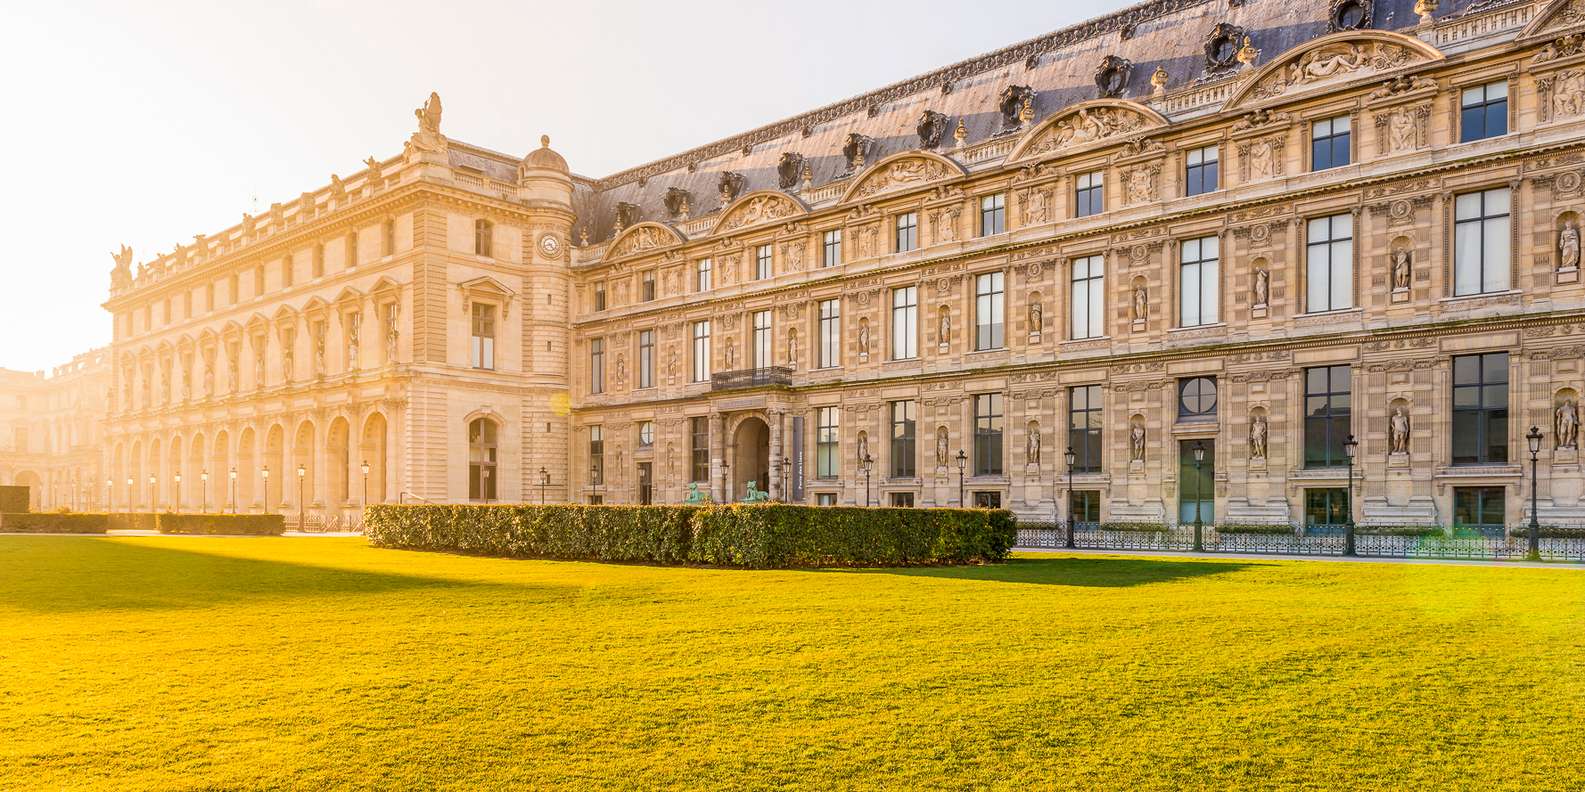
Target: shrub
[
  {"x": 222, "y": 524},
  {"x": 14, "y": 500},
  {"x": 1400, "y": 530},
  {"x": 1246, "y": 528},
  {"x": 1151, "y": 527},
  {"x": 54, "y": 522},
  {"x": 738, "y": 535}
]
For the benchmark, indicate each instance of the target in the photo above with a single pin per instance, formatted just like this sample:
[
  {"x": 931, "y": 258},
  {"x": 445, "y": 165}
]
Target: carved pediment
[
  {"x": 489, "y": 289},
  {"x": 755, "y": 208},
  {"x": 1087, "y": 123},
  {"x": 643, "y": 237},
  {"x": 1329, "y": 60},
  {"x": 1557, "y": 17},
  {"x": 902, "y": 171}
]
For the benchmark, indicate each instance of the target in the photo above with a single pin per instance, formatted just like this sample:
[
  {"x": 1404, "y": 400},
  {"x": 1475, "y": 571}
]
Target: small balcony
[{"x": 751, "y": 378}]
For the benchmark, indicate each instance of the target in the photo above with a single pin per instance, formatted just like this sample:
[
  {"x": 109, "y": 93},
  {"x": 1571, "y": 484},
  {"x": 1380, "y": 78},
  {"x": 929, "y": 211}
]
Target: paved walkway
[{"x": 1571, "y": 565}]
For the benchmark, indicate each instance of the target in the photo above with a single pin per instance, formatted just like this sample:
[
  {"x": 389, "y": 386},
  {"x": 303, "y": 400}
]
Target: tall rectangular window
[
  {"x": 903, "y": 427},
  {"x": 352, "y": 252},
  {"x": 597, "y": 365},
  {"x": 1088, "y": 297},
  {"x": 993, "y": 214},
  {"x": 831, "y": 248},
  {"x": 827, "y": 456},
  {"x": 596, "y": 455},
  {"x": 646, "y": 358},
  {"x": 905, "y": 322},
  {"x": 482, "y": 354},
  {"x": 389, "y": 238},
  {"x": 234, "y": 289},
  {"x": 646, "y": 289},
  {"x": 1328, "y": 402},
  {"x": 1329, "y": 143},
  {"x": 701, "y": 351},
  {"x": 1084, "y": 427},
  {"x": 761, "y": 346},
  {"x": 1199, "y": 282},
  {"x": 1329, "y": 263},
  {"x": 988, "y": 434},
  {"x": 699, "y": 448},
  {"x": 701, "y": 275},
  {"x": 830, "y": 352},
  {"x": 599, "y": 296},
  {"x": 1480, "y": 242},
  {"x": 1483, "y": 112},
  {"x": 258, "y": 281},
  {"x": 287, "y": 271},
  {"x": 1089, "y": 194},
  {"x": 483, "y": 237},
  {"x": 989, "y": 330},
  {"x": 1200, "y": 171},
  {"x": 762, "y": 262},
  {"x": 907, "y": 231},
  {"x": 1480, "y": 409},
  {"x": 317, "y": 268}
]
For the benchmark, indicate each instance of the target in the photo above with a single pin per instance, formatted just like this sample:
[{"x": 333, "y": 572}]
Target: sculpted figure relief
[
  {"x": 1034, "y": 317},
  {"x": 1136, "y": 441},
  {"x": 1262, "y": 286},
  {"x": 1257, "y": 437},
  {"x": 1088, "y": 125},
  {"x": 1032, "y": 443},
  {"x": 944, "y": 326},
  {"x": 1398, "y": 431},
  {"x": 792, "y": 348},
  {"x": 1036, "y": 207},
  {"x": 941, "y": 447},
  {"x": 1568, "y": 245},
  {"x": 1401, "y": 269},
  {"x": 864, "y": 336},
  {"x": 1141, "y": 310},
  {"x": 1565, "y": 425}
]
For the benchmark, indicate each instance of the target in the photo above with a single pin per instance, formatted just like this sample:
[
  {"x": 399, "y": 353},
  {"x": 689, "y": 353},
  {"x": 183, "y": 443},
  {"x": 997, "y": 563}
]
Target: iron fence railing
[{"x": 1314, "y": 540}]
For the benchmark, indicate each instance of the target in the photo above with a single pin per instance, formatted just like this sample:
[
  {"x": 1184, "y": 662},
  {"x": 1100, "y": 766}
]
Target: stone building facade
[
  {"x": 1252, "y": 230},
  {"x": 51, "y": 428}
]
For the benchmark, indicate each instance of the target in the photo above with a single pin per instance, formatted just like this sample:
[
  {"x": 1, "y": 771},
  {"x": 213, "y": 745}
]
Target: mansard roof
[{"x": 1059, "y": 70}]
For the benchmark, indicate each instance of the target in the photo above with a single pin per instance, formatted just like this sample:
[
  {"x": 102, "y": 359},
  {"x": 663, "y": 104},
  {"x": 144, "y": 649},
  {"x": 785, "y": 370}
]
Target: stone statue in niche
[
  {"x": 863, "y": 447},
  {"x": 232, "y": 356},
  {"x": 1568, "y": 245},
  {"x": 1565, "y": 425},
  {"x": 731, "y": 353},
  {"x": 1401, "y": 269},
  {"x": 1398, "y": 431},
  {"x": 319, "y": 349},
  {"x": 671, "y": 363},
  {"x": 258, "y": 368},
  {"x": 1262, "y": 286},
  {"x": 944, "y": 326},
  {"x": 792, "y": 348},
  {"x": 187, "y": 380},
  {"x": 1032, "y": 443},
  {"x": 621, "y": 368},
  {"x": 1136, "y": 441},
  {"x": 354, "y": 334},
  {"x": 941, "y": 447},
  {"x": 1257, "y": 437},
  {"x": 1141, "y": 308},
  {"x": 209, "y": 374},
  {"x": 864, "y": 336},
  {"x": 1034, "y": 317}
]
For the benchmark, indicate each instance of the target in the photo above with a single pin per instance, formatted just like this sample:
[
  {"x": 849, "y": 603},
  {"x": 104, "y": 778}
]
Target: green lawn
[{"x": 161, "y": 662}]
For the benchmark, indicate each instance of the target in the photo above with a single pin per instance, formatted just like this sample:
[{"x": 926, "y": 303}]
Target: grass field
[{"x": 139, "y": 663}]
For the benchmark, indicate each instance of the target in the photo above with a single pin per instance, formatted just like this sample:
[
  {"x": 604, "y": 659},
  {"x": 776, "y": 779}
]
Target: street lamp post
[
  {"x": 1199, "y": 526},
  {"x": 266, "y": 474},
  {"x": 302, "y": 515},
  {"x": 233, "y": 476},
  {"x": 1350, "y": 446},
  {"x": 1534, "y": 437},
  {"x": 131, "y": 496},
  {"x": 1070, "y": 458},
  {"x": 594, "y": 480},
  {"x": 544, "y": 481},
  {"x": 484, "y": 483},
  {"x": 178, "y": 479},
  {"x": 110, "y": 495},
  {"x": 365, "y": 469},
  {"x": 154, "y": 493},
  {"x": 963, "y": 461},
  {"x": 203, "y": 478},
  {"x": 867, "y": 463}
]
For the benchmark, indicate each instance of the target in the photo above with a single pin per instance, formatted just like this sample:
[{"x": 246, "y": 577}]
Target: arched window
[{"x": 481, "y": 459}]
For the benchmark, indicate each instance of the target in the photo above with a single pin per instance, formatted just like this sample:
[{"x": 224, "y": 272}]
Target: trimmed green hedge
[
  {"x": 760, "y": 536},
  {"x": 1400, "y": 530},
  {"x": 55, "y": 522},
  {"x": 222, "y": 524},
  {"x": 1250, "y": 528},
  {"x": 1147, "y": 527},
  {"x": 136, "y": 521}
]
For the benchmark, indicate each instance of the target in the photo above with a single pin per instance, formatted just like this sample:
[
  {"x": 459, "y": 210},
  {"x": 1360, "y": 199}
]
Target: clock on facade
[{"x": 550, "y": 245}]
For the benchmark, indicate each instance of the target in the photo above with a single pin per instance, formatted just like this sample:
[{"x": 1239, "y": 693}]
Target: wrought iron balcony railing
[{"x": 750, "y": 378}]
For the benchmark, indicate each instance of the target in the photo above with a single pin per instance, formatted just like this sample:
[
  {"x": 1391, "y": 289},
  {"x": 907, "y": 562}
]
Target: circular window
[
  {"x": 1197, "y": 398},
  {"x": 646, "y": 433},
  {"x": 1350, "y": 14}
]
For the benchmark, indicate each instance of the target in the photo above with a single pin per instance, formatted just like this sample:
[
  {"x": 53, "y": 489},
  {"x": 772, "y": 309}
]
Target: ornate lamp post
[
  {"x": 110, "y": 495},
  {"x": 1199, "y": 527},
  {"x": 364, "y": 467},
  {"x": 266, "y": 473},
  {"x": 1534, "y": 438},
  {"x": 1350, "y": 446},
  {"x": 963, "y": 461},
  {"x": 154, "y": 493},
  {"x": 203, "y": 476},
  {"x": 1070, "y": 458},
  {"x": 867, "y": 464},
  {"x": 178, "y": 479},
  {"x": 233, "y": 476},
  {"x": 131, "y": 496},
  {"x": 302, "y": 516},
  {"x": 484, "y": 484},
  {"x": 544, "y": 481},
  {"x": 594, "y": 481}
]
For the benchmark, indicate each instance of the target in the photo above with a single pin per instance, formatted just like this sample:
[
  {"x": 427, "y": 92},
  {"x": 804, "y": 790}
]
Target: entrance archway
[{"x": 750, "y": 457}]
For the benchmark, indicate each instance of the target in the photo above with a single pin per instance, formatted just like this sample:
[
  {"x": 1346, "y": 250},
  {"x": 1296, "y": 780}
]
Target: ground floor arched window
[{"x": 481, "y": 459}]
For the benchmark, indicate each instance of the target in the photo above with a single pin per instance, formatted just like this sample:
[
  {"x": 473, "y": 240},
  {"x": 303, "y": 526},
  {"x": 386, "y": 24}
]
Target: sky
[{"x": 148, "y": 123}]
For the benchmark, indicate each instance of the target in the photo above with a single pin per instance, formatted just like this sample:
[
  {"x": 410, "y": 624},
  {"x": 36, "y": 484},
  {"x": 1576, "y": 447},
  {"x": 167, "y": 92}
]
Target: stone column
[
  {"x": 777, "y": 457},
  {"x": 717, "y": 457}
]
